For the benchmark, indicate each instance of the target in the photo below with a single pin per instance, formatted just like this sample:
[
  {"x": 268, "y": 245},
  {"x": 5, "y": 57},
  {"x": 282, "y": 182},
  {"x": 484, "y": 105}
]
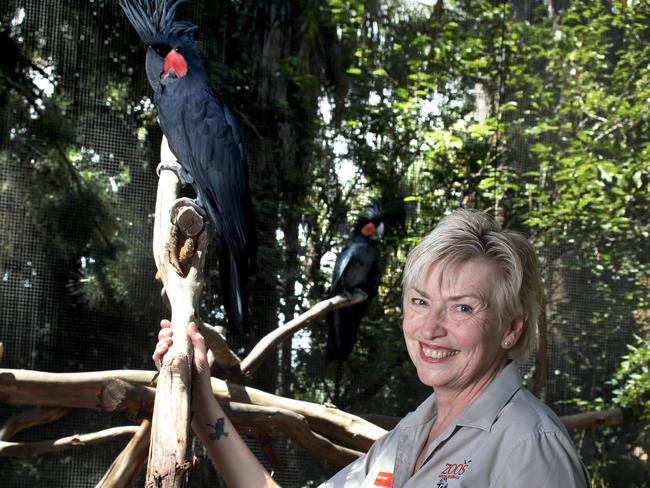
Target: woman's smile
[{"x": 436, "y": 354}]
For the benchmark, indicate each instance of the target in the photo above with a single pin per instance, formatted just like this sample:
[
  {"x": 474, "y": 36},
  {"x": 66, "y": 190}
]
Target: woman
[{"x": 472, "y": 297}]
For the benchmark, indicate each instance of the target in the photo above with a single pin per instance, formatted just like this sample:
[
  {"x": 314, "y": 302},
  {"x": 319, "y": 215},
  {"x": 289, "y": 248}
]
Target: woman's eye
[
  {"x": 418, "y": 302},
  {"x": 466, "y": 309}
]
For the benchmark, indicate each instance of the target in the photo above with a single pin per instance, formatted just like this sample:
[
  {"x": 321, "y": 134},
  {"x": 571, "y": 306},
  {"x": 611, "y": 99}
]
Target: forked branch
[{"x": 182, "y": 279}]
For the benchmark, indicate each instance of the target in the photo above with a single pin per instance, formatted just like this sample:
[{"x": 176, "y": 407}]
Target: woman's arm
[{"x": 231, "y": 456}]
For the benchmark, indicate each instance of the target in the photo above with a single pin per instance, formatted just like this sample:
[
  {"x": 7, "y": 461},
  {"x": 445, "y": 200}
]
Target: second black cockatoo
[
  {"x": 357, "y": 266},
  {"x": 204, "y": 137}
]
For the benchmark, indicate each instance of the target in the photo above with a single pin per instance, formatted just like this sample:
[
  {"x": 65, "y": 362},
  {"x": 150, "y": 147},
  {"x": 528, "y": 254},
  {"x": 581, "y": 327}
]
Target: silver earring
[{"x": 506, "y": 344}]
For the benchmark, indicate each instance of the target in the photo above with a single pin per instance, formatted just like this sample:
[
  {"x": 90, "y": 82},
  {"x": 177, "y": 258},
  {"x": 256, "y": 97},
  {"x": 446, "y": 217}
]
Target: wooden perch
[
  {"x": 132, "y": 401},
  {"x": 269, "y": 342},
  {"x": 30, "y": 418},
  {"x": 73, "y": 390},
  {"x": 240, "y": 371},
  {"x": 118, "y": 396},
  {"x": 312, "y": 426},
  {"x": 579, "y": 421},
  {"x": 180, "y": 271},
  {"x": 79, "y": 440},
  {"x": 590, "y": 420},
  {"x": 82, "y": 390},
  {"x": 127, "y": 466},
  {"x": 254, "y": 419},
  {"x": 227, "y": 360}
]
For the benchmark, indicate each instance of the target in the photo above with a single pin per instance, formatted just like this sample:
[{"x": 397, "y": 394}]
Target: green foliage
[{"x": 632, "y": 381}]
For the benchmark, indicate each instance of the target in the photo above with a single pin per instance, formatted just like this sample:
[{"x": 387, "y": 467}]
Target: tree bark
[{"x": 132, "y": 401}]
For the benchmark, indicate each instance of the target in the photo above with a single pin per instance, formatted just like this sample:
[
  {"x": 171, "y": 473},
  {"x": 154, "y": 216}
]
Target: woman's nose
[{"x": 434, "y": 324}]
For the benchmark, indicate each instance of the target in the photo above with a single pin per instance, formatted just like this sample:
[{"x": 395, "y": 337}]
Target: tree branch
[
  {"x": 78, "y": 440},
  {"x": 81, "y": 390},
  {"x": 269, "y": 342},
  {"x": 31, "y": 418},
  {"x": 119, "y": 397},
  {"x": 223, "y": 355},
  {"x": 168, "y": 457},
  {"x": 127, "y": 466},
  {"x": 590, "y": 420},
  {"x": 253, "y": 420}
]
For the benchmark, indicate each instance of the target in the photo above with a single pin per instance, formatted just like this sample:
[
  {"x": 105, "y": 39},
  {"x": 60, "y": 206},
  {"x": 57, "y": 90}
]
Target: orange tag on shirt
[{"x": 384, "y": 479}]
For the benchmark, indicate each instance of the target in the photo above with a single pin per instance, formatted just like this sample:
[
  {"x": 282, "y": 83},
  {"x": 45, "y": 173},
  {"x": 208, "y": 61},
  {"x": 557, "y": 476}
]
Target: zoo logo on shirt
[
  {"x": 453, "y": 471},
  {"x": 384, "y": 479}
]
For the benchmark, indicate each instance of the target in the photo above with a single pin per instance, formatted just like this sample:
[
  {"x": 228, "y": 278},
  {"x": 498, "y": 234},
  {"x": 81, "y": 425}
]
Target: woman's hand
[{"x": 201, "y": 368}]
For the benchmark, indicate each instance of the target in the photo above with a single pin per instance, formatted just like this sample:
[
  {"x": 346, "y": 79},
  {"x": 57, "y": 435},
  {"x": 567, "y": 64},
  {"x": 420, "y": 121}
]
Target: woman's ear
[{"x": 515, "y": 329}]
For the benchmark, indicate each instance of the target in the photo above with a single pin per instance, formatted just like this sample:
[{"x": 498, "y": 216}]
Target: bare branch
[
  {"x": 74, "y": 390},
  {"x": 119, "y": 396},
  {"x": 31, "y": 418},
  {"x": 134, "y": 402},
  {"x": 81, "y": 390},
  {"x": 78, "y": 440},
  {"x": 269, "y": 342},
  {"x": 254, "y": 419},
  {"x": 223, "y": 355},
  {"x": 127, "y": 466},
  {"x": 590, "y": 420},
  {"x": 180, "y": 268}
]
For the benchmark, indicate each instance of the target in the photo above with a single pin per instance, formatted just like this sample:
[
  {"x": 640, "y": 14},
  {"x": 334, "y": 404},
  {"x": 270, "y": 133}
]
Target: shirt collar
[
  {"x": 483, "y": 411},
  {"x": 423, "y": 414}
]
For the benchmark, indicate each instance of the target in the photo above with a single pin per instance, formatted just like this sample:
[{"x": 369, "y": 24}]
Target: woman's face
[{"x": 451, "y": 327}]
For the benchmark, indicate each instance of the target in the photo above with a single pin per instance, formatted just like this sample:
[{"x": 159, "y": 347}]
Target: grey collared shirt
[{"x": 506, "y": 438}]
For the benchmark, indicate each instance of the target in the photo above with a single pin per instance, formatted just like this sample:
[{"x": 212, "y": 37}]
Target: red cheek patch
[
  {"x": 369, "y": 229},
  {"x": 175, "y": 61}
]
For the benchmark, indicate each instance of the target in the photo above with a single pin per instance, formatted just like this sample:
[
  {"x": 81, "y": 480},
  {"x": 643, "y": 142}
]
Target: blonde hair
[{"x": 468, "y": 234}]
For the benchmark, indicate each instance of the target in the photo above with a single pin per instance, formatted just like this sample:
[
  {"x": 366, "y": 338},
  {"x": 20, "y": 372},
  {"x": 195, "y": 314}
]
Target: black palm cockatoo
[
  {"x": 202, "y": 133},
  {"x": 357, "y": 266}
]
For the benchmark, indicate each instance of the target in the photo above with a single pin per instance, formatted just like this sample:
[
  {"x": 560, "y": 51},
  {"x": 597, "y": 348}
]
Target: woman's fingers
[
  {"x": 165, "y": 334},
  {"x": 164, "y": 342},
  {"x": 161, "y": 349},
  {"x": 159, "y": 352}
]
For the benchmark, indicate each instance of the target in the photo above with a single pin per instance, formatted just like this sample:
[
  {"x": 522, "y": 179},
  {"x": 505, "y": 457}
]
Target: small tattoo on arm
[{"x": 218, "y": 427}]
